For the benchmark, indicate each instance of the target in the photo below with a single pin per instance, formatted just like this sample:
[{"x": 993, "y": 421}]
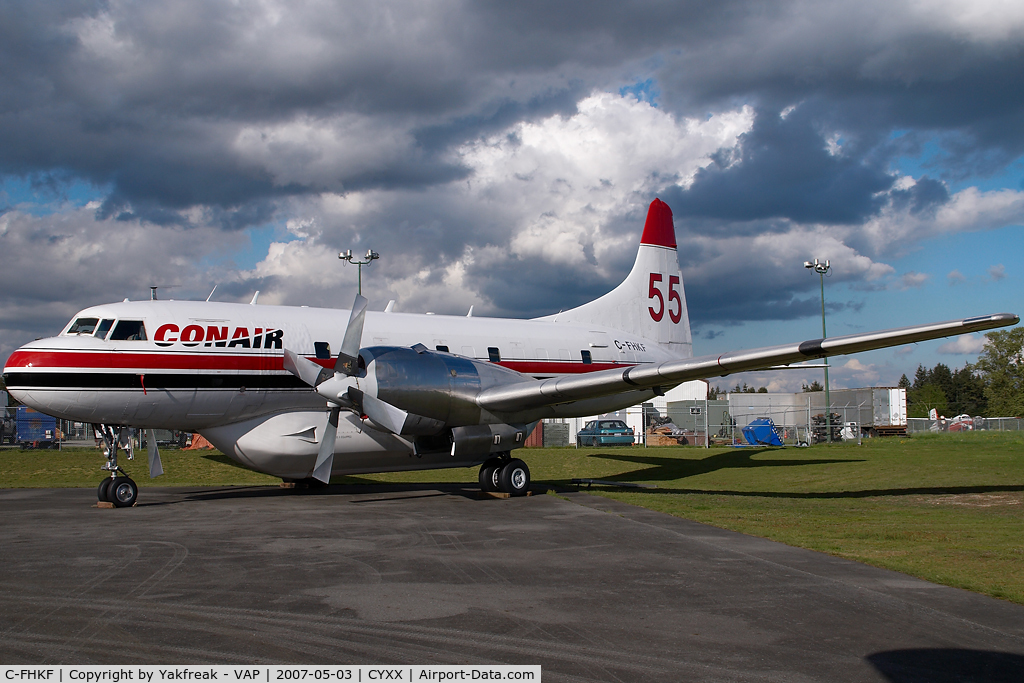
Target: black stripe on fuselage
[{"x": 152, "y": 382}]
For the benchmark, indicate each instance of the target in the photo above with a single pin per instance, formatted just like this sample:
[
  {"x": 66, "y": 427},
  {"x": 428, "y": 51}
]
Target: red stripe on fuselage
[{"x": 108, "y": 360}]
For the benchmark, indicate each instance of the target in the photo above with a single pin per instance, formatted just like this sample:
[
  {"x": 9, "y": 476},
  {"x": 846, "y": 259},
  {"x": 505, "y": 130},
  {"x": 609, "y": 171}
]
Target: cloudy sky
[{"x": 502, "y": 155}]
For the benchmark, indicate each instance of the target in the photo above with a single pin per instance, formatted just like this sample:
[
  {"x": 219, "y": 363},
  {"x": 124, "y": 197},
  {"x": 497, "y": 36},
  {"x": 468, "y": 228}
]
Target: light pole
[
  {"x": 371, "y": 256},
  {"x": 822, "y": 269}
]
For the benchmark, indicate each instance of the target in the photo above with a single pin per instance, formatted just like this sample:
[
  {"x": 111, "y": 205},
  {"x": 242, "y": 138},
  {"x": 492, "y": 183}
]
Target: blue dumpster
[
  {"x": 35, "y": 427},
  {"x": 762, "y": 432}
]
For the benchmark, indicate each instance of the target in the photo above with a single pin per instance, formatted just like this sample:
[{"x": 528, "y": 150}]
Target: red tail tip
[{"x": 659, "y": 230}]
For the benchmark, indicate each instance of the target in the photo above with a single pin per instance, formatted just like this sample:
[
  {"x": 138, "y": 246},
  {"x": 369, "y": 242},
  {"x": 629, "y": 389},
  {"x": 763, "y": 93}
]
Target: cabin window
[
  {"x": 441, "y": 347},
  {"x": 323, "y": 350},
  {"x": 129, "y": 330},
  {"x": 587, "y": 360},
  {"x": 83, "y": 326},
  {"x": 103, "y": 328},
  {"x": 493, "y": 354}
]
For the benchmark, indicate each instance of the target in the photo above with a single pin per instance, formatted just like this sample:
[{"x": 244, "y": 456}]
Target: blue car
[{"x": 605, "y": 433}]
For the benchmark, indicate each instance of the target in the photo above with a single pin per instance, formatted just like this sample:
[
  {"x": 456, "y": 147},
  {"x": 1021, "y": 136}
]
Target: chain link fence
[{"x": 924, "y": 425}]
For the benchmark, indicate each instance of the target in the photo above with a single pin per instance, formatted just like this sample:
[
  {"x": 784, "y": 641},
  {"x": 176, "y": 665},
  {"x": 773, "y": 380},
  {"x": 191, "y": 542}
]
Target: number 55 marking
[{"x": 673, "y": 295}]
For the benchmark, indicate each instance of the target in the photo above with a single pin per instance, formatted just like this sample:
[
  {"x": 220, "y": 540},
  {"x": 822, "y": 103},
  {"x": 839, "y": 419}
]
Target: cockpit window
[
  {"x": 83, "y": 326},
  {"x": 129, "y": 330},
  {"x": 103, "y": 328}
]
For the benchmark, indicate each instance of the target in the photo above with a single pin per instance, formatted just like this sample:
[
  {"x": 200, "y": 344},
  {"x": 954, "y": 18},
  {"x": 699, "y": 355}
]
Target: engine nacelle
[{"x": 439, "y": 386}]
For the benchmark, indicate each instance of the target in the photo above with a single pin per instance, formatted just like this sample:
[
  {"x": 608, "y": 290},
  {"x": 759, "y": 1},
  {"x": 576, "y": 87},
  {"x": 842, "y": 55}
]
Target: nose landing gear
[
  {"x": 505, "y": 474},
  {"x": 118, "y": 488}
]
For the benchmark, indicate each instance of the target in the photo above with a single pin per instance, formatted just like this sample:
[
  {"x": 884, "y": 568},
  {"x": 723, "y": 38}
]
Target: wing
[{"x": 536, "y": 394}]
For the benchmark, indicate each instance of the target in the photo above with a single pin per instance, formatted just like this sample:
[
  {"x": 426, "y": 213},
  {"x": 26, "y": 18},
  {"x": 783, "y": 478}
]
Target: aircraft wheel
[
  {"x": 489, "y": 475},
  {"x": 123, "y": 492},
  {"x": 514, "y": 478},
  {"x": 103, "y": 490}
]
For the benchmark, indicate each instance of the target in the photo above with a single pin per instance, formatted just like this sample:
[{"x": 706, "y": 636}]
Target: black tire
[
  {"x": 103, "y": 490},
  {"x": 123, "y": 492},
  {"x": 514, "y": 478},
  {"x": 489, "y": 475}
]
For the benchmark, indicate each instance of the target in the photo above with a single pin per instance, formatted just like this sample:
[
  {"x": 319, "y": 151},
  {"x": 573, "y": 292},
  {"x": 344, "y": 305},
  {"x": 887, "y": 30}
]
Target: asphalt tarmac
[{"x": 590, "y": 589}]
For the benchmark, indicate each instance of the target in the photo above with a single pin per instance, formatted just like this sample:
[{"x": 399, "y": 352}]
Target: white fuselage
[{"x": 217, "y": 368}]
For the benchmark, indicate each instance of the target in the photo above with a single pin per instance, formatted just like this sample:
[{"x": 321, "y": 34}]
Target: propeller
[
  {"x": 330, "y": 384},
  {"x": 335, "y": 386}
]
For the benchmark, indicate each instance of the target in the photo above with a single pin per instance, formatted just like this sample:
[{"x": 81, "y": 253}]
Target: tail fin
[{"x": 650, "y": 302}]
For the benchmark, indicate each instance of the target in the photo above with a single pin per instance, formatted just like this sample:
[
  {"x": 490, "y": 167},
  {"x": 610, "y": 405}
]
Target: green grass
[
  {"x": 947, "y": 508},
  {"x": 80, "y": 467}
]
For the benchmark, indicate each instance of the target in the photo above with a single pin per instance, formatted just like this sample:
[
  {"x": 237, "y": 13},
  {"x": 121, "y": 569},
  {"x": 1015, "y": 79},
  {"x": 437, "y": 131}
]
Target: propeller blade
[
  {"x": 392, "y": 419},
  {"x": 353, "y": 338},
  {"x": 156, "y": 468},
  {"x": 325, "y": 456},
  {"x": 384, "y": 415},
  {"x": 305, "y": 369}
]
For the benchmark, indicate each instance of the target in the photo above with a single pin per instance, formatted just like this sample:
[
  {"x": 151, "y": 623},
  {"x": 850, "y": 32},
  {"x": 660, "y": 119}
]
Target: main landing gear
[
  {"x": 505, "y": 474},
  {"x": 118, "y": 488}
]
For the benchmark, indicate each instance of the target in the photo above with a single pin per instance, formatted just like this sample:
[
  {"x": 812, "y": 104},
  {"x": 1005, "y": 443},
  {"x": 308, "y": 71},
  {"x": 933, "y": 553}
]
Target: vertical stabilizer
[{"x": 650, "y": 302}]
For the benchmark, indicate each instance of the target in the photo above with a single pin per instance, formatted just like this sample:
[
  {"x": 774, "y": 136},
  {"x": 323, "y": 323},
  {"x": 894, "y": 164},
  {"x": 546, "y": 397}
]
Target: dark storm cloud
[
  {"x": 924, "y": 197},
  {"x": 871, "y": 69},
  {"x": 247, "y": 112},
  {"x": 149, "y": 98},
  {"x": 782, "y": 169}
]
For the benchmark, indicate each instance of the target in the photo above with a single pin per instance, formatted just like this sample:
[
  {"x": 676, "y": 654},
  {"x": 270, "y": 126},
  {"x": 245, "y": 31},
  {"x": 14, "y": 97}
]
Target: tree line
[{"x": 992, "y": 387}]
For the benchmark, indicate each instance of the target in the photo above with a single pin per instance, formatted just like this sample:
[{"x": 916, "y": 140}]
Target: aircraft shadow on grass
[
  {"x": 665, "y": 469},
  {"x": 671, "y": 469},
  {"x": 948, "y": 665}
]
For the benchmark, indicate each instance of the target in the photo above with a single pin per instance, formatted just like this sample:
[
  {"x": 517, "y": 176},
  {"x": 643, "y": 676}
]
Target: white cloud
[
  {"x": 955, "y": 277},
  {"x": 913, "y": 280},
  {"x": 567, "y": 176},
  {"x": 896, "y": 231},
  {"x": 965, "y": 344},
  {"x": 997, "y": 272},
  {"x": 551, "y": 191}
]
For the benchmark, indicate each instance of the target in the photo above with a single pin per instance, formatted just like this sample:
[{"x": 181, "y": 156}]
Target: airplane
[{"x": 399, "y": 391}]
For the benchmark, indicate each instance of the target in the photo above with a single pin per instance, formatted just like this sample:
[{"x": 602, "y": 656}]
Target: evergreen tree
[
  {"x": 813, "y": 386},
  {"x": 968, "y": 393},
  {"x": 920, "y": 377},
  {"x": 942, "y": 377},
  {"x": 904, "y": 383}
]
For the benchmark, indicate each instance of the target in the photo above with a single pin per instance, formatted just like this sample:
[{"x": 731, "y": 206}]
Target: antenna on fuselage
[
  {"x": 153, "y": 288},
  {"x": 211, "y": 292}
]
